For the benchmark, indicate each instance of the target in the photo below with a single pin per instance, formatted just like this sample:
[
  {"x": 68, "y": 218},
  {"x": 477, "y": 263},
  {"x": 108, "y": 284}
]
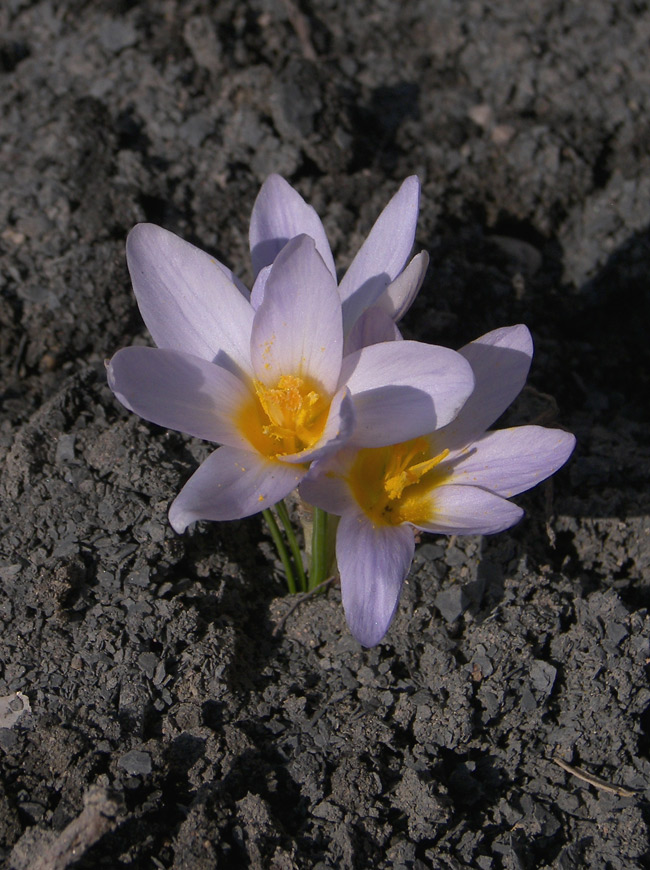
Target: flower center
[
  {"x": 392, "y": 485},
  {"x": 284, "y": 419}
]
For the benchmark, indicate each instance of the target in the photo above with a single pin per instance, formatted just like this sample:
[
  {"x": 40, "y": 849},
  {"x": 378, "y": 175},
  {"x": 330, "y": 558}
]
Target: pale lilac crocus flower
[
  {"x": 271, "y": 384},
  {"x": 454, "y": 481},
  {"x": 377, "y": 277}
]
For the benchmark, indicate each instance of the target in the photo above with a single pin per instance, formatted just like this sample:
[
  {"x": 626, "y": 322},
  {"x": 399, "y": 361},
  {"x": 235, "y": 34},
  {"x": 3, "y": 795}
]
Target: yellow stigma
[
  {"x": 393, "y": 484},
  {"x": 287, "y": 418}
]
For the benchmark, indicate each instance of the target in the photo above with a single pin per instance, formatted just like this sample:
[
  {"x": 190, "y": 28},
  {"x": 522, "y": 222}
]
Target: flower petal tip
[{"x": 178, "y": 521}]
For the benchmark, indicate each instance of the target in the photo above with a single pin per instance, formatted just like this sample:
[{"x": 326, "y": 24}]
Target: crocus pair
[
  {"x": 304, "y": 382},
  {"x": 265, "y": 375}
]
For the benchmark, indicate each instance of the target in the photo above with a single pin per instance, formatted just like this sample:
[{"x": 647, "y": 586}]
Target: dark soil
[{"x": 171, "y": 718}]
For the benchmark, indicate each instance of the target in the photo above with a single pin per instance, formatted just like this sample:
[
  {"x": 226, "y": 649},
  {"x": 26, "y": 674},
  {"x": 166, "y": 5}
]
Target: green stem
[
  {"x": 319, "y": 558},
  {"x": 276, "y": 534},
  {"x": 283, "y": 514}
]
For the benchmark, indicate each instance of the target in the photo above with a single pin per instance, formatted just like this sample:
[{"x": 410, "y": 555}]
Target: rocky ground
[{"x": 160, "y": 706}]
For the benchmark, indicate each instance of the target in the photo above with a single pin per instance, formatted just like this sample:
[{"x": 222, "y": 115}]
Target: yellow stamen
[
  {"x": 393, "y": 484},
  {"x": 287, "y": 418}
]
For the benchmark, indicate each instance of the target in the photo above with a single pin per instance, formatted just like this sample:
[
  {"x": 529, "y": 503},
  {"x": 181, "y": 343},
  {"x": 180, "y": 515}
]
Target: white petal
[
  {"x": 510, "y": 461},
  {"x": 325, "y": 486},
  {"x": 279, "y": 215},
  {"x": 373, "y": 561},
  {"x": 232, "y": 484},
  {"x": 297, "y": 328},
  {"x": 180, "y": 391},
  {"x": 383, "y": 254},
  {"x": 230, "y": 275},
  {"x": 186, "y": 299},
  {"x": 404, "y": 389},
  {"x": 469, "y": 510},
  {"x": 398, "y": 297},
  {"x": 500, "y": 361},
  {"x": 372, "y": 327},
  {"x": 257, "y": 293}
]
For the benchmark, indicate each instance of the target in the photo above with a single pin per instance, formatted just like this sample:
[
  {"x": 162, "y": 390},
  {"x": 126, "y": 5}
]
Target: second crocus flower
[{"x": 456, "y": 480}]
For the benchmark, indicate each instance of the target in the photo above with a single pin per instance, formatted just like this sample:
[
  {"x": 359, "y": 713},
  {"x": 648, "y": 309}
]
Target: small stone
[
  {"x": 136, "y": 763},
  {"x": 542, "y": 676},
  {"x": 8, "y": 739},
  {"x": 148, "y": 662},
  {"x": 12, "y": 708},
  {"x": 528, "y": 702},
  {"x": 64, "y": 449},
  {"x": 616, "y": 632},
  {"x": 502, "y": 134},
  {"x": 481, "y": 115},
  {"x": 452, "y": 602},
  {"x": 328, "y": 811},
  {"x": 115, "y": 35}
]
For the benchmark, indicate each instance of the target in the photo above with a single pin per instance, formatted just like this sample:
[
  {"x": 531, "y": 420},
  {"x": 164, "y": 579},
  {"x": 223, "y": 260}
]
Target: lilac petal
[
  {"x": 230, "y": 275},
  {"x": 404, "y": 389},
  {"x": 510, "y": 461},
  {"x": 297, "y": 328},
  {"x": 338, "y": 429},
  {"x": 279, "y": 215},
  {"x": 469, "y": 510},
  {"x": 383, "y": 254},
  {"x": 179, "y": 391},
  {"x": 398, "y": 297},
  {"x": 373, "y": 327},
  {"x": 232, "y": 484},
  {"x": 373, "y": 561},
  {"x": 325, "y": 485},
  {"x": 259, "y": 287},
  {"x": 500, "y": 361},
  {"x": 186, "y": 299}
]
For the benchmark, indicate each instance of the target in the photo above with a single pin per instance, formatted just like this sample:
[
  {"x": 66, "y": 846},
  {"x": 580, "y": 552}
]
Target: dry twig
[{"x": 593, "y": 780}]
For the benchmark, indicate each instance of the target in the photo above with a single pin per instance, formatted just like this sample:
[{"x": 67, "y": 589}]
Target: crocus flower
[
  {"x": 270, "y": 385},
  {"x": 456, "y": 480},
  {"x": 378, "y": 275}
]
